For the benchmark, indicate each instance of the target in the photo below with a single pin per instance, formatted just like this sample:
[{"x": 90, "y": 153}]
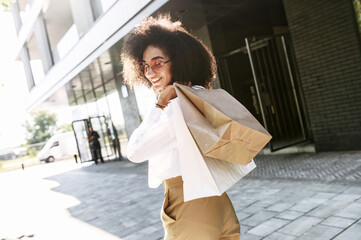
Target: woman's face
[{"x": 157, "y": 67}]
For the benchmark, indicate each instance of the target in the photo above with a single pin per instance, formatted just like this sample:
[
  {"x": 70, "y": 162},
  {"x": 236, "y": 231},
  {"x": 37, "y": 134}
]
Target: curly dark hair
[{"x": 192, "y": 61}]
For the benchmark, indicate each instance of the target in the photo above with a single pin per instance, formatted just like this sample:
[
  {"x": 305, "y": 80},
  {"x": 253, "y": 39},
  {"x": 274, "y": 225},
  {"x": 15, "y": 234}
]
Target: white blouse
[
  {"x": 172, "y": 152},
  {"x": 155, "y": 140}
]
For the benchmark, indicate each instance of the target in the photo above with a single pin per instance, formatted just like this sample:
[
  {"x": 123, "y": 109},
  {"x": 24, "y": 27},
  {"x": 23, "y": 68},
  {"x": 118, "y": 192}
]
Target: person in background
[{"x": 94, "y": 145}]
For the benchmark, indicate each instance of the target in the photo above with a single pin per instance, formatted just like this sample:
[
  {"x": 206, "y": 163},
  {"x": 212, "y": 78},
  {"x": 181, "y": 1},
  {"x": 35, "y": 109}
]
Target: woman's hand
[{"x": 167, "y": 94}]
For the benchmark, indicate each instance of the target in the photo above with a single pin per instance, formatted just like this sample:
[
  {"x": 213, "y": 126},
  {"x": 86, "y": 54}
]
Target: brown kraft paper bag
[{"x": 220, "y": 125}]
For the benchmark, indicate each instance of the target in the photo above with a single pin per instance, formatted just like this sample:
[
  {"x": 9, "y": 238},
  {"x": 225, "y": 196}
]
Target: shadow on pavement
[{"x": 114, "y": 197}]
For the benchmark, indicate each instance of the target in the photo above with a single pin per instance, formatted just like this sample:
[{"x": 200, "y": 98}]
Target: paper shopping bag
[
  {"x": 221, "y": 126},
  {"x": 202, "y": 176}
]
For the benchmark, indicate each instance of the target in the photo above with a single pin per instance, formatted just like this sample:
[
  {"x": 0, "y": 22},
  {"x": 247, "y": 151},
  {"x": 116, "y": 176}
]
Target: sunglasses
[{"x": 155, "y": 64}]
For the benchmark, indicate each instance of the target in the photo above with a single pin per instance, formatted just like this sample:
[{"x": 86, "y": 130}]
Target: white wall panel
[{"x": 108, "y": 30}]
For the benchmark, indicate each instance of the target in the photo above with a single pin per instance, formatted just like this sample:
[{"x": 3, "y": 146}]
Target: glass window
[
  {"x": 101, "y": 6},
  {"x": 77, "y": 87},
  {"x": 89, "y": 96},
  {"x": 86, "y": 81},
  {"x": 62, "y": 32},
  {"x": 94, "y": 71},
  {"x": 110, "y": 86},
  {"x": 115, "y": 107},
  {"x": 105, "y": 64},
  {"x": 92, "y": 108},
  {"x": 70, "y": 93},
  {"x": 103, "y": 106},
  {"x": 35, "y": 61},
  {"x": 99, "y": 92}
]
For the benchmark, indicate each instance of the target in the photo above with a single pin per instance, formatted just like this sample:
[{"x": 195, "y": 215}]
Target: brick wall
[{"x": 327, "y": 48}]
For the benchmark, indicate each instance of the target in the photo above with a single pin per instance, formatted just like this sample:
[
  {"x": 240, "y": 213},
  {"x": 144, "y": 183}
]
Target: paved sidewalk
[{"x": 294, "y": 196}]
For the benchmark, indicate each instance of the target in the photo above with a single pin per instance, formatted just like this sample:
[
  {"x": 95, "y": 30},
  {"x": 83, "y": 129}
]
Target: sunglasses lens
[{"x": 156, "y": 65}]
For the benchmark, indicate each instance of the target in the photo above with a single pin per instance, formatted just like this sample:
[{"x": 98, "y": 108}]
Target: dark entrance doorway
[
  {"x": 274, "y": 74},
  {"x": 262, "y": 76}
]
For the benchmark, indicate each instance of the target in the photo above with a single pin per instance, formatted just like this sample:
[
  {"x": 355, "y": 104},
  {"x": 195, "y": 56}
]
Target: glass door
[
  {"x": 100, "y": 124},
  {"x": 81, "y": 128}
]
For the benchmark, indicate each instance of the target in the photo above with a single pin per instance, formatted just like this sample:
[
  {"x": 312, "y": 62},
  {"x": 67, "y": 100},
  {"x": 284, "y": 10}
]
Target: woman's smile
[{"x": 154, "y": 81}]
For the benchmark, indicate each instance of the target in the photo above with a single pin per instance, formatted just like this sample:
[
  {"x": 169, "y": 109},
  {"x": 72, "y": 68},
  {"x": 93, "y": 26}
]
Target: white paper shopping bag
[{"x": 202, "y": 176}]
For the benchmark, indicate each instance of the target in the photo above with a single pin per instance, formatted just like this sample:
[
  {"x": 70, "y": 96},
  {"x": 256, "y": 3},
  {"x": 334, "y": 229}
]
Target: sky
[{"x": 13, "y": 88}]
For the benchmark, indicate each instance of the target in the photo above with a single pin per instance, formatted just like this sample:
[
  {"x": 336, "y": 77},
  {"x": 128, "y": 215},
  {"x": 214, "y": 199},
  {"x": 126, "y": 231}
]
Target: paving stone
[
  {"x": 242, "y": 215},
  {"x": 321, "y": 232},
  {"x": 244, "y": 229},
  {"x": 297, "y": 196},
  {"x": 352, "y": 211},
  {"x": 351, "y": 233},
  {"x": 333, "y": 188},
  {"x": 252, "y": 209},
  {"x": 324, "y": 195},
  {"x": 338, "y": 222},
  {"x": 344, "y": 196},
  {"x": 354, "y": 190},
  {"x": 279, "y": 236},
  {"x": 159, "y": 234},
  {"x": 266, "y": 202},
  {"x": 289, "y": 215},
  {"x": 329, "y": 208},
  {"x": 307, "y": 204},
  {"x": 300, "y": 226},
  {"x": 268, "y": 227},
  {"x": 317, "y": 167},
  {"x": 280, "y": 207},
  {"x": 248, "y": 236},
  {"x": 317, "y": 187},
  {"x": 242, "y": 201},
  {"x": 258, "y": 218}
]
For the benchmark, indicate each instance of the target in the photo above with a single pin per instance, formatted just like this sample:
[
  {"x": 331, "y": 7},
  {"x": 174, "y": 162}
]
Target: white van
[{"x": 59, "y": 146}]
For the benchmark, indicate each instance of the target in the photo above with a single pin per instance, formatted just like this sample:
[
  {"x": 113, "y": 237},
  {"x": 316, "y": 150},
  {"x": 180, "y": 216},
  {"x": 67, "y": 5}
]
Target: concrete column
[
  {"x": 128, "y": 103},
  {"x": 42, "y": 43},
  {"x": 203, "y": 34},
  {"x": 97, "y": 9},
  {"x": 201, "y": 31},
  {"x": 24, "y": 54},
  {"x": 129, "y": 106},
  {"x": 16, "y": 16},
  {"x": 82, "y": 15},
  {"x": 25, "y": 58}
]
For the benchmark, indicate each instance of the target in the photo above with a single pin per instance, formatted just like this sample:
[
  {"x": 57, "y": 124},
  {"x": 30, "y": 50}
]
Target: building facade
[{"x": 296, "y": 65}]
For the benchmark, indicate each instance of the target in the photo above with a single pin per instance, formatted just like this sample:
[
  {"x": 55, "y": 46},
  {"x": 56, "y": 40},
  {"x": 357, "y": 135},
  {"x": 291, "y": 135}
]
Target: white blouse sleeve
[{"x": 154, "y": 136}]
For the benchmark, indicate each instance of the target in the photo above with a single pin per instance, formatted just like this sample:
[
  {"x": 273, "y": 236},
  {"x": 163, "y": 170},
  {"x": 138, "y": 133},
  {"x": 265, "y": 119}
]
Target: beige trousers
[{"x": 210, "y": 218}]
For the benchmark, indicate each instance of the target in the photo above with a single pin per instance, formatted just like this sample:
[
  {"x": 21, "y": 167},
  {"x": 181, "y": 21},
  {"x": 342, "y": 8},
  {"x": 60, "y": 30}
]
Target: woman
[{"x": 158, "y": 53}]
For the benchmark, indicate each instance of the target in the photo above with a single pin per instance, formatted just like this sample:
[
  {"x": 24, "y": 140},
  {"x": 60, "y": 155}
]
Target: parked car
[{"x": 59, "y": 146}]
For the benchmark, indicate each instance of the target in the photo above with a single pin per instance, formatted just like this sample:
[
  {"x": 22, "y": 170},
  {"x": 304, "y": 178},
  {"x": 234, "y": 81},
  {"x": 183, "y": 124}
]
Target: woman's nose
[{"x": 150, "y": 70}]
